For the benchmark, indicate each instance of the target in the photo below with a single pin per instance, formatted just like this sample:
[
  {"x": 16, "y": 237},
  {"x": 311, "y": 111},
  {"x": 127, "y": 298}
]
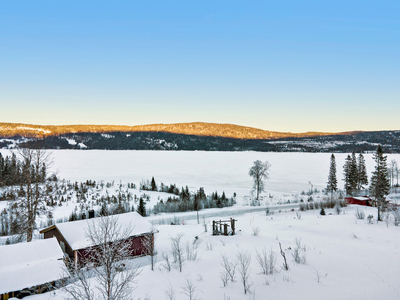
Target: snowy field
[{"x": 353, "y": 260}]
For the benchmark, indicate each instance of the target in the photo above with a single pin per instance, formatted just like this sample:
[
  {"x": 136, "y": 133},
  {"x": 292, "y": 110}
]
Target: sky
[{"x": 292, "y": 66}]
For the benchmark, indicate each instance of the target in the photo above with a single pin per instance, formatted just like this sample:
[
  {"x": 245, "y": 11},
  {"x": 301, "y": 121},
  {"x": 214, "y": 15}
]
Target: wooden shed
[
  {"x": 73, "y": 240},
  {"x": 29, "y": 267}
]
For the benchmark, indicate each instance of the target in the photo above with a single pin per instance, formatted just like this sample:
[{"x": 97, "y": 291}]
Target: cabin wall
[
  {"x": 136, "y": 246},
  {"x": 54, "y": 232},
  {"x": 351, "y": 200}
]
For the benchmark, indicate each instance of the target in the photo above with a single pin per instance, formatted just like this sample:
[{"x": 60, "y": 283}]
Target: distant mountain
[{"x": 191, "y": 136}]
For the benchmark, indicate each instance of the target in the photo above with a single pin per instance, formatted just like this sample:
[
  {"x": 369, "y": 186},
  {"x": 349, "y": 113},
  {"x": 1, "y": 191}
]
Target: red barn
[
  {"x": 73, "y": 240},
  {"x": 365, "y": 201}
]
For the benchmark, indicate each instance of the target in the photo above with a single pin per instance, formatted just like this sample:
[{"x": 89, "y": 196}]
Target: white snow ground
[
  {"x": 355, "y": 260},
  {"x": 360, "y": 261}
]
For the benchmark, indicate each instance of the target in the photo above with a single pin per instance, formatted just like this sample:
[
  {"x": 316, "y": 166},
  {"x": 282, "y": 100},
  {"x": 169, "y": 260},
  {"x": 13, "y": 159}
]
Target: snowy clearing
[{"x": 349, "y": 258}]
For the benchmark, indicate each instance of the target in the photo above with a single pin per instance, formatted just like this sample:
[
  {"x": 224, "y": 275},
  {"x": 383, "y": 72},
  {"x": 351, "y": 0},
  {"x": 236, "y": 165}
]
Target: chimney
[{"x": 91, "y": 214}]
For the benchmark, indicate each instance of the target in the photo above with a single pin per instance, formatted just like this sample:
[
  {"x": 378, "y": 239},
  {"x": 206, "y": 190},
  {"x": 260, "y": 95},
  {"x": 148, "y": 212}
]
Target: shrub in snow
[
  {"x": 370, "y": 219},
  {"x": 267, "y": 212},
  {"x": 359, "y": 214},
  {"x": 190, "y": 290},
  {"x": 338, "y": 209},
  {"x": 170, "y": 293},
  {"x": 177, "y": 251},
  {"x": 229, "y": 266},
  {"x": 322, "y": 211},
  {"x": 396, "y": 216},
  {"x": 244, "y": 259},
  {"x": 167, "y": 263},
  {"x": 299, "y": 252},
  {"x": 224, "y": 277},
  {"x": 191, "y": 251},
  {"x": 256, "y": 230},
  {"x": 266, "y": 261},
  {"x": 319, "y": 276}
]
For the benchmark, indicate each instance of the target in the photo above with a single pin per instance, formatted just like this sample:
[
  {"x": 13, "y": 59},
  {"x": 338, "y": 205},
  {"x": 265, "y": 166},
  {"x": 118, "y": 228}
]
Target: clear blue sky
[{"x": 277, "y": 65}]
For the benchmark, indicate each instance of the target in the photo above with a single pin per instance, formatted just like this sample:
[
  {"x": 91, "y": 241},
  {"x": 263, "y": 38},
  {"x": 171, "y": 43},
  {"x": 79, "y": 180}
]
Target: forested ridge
[{"x": 102, "y": 137}]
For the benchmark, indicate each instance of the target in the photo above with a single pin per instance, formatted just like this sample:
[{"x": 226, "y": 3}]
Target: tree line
[
  {"x": 356, "y": 178},
  {"x": 18, "y": 170},
  {"x": 29, "y": 170}
]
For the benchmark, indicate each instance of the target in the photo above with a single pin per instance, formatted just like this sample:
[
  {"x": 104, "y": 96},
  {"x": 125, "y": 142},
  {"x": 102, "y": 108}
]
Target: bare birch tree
[
  {"x": 106, "y": 261},
  {"x": 177, "y": 250},
  {"x": 35, "y": 163}
]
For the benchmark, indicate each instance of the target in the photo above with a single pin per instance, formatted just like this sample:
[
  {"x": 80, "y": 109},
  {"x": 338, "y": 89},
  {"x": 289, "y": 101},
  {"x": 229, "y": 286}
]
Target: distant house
[
  {"x": 29, "y": 266},
  {"x": 365, "y": 201},
  {"x": 73, "y": 240}
]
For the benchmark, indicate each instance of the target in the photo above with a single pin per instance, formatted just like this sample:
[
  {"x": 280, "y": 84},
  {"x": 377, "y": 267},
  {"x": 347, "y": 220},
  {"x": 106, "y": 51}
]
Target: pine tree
[
  {"x": 332, "y": 180},
  {"x": 141, "y": 210},
  {"x": 362, "y": 172},
  {"x": 380, "y": 184}
]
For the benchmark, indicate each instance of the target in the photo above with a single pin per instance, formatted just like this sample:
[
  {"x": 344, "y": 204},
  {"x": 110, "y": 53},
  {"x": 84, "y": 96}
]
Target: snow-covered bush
[
  {"x": 338, "y": 209},
  {"x": 244, "y": 259},
  {"x": 266, "y": 261},
  {"x": 396, "y": 216},
  {"x": 299, "y": 252},
  {"x": 229, "y": 266},
  {"x": 256, "y": 230},
  {"x": 359, "y": 214}
]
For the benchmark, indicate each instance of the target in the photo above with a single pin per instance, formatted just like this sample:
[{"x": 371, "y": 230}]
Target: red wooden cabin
[
  {"x": 365, "y": 201},
  {"x": 73, "y": 240}
]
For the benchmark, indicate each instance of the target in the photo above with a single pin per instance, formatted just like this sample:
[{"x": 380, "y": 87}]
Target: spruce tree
[
  {"x": 332, "y": 180},
  {"x": 347, "y": 176},
  {"x": 354, "y": 173},
  {"x": 1, "y": 169},
  {"x": 380, "y": 184},
  {"x": 153, "y": 184},
  {"x": 141, "y": 210},
  {"x": 196, "y": 206},
  {"x": 362, "y": 172},
  {"x": 201, "y": 194}
]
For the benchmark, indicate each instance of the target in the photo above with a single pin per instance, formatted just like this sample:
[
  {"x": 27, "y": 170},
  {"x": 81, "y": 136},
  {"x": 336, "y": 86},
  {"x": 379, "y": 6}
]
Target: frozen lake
[{"x": 228, "y": 171}]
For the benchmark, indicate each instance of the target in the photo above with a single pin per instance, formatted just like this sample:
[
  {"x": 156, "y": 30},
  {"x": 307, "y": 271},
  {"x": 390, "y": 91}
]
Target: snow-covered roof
[
  {"x": 362, "y": 198},
  {"x": 75, "y": 232},
  {"x": 26, "y": 265}
]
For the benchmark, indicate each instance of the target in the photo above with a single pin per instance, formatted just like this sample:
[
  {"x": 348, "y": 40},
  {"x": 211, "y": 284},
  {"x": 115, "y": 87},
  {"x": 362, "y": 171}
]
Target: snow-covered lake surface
[{"x": 228, "y": 171}]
